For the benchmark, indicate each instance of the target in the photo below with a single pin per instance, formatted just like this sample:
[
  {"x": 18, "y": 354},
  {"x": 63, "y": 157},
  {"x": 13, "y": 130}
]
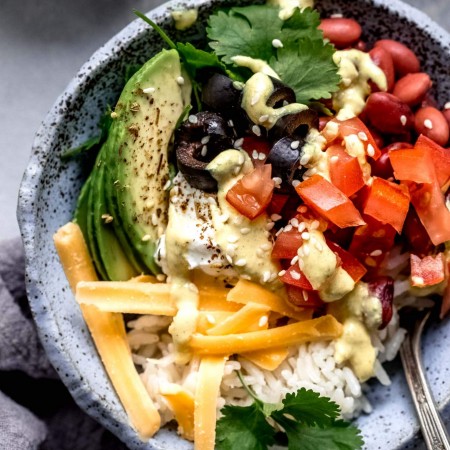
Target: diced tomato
[
  {"x": 255, "y": 147},
  {"x": 440, "y": 157},
  {"x": 371, "y": 242},
  {"x": 345, "y": 170},
  {"x": 445, "y": 307},
  {"x": 418, "y": 240},
  {"x": 286, "y": 244},
  {"x": 277, "y": 204},
  {"x": 356, "y": 126},
  {"x": 329, "y": 201},
  {"x": 382, "y": 166},
  {"x": 253, "y": 192},
  {"x": 348, "y": 262},
  {"x": 308, "y": 215},
  {"x": 429, "y": 203},
  {"x": 427, "y": 271},
  {"x": 299, "y": 297},
  {"x": 295, "y": 277},
  {"x": 387, "y": 202},
  {"x": 340, "y": 236},
  {"x": 412, "y": 165}
]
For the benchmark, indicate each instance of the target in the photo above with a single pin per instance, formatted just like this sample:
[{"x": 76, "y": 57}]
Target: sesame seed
[
  {"x": 224, "y": 217},
  {"x": 279, "y": 232},
  {"x": 403, "y": 119},
  {"x": 376, "y": 253},
  {"x": 263, "y": 118},
  {"x": 174, "y": 199},
  {"x": 238, "y": 220},
  {"x": 261, "y": 156},
  {"x": 154, "y": 219},
  {"x": 180, "y": 81},
  {"x": 305, "y": 159},
  {"x": 232, "y": 238},
  {"x": 241, "y": 262},
  {"x": 236, "y": 170},
  {"x": 166, "y": 185},
  {"x": 305, "y": 235},
  {"x": 277, "y": 43},
  {"x": 305, "y": 295},
  {"x": 314, "y": 225},
  {"x": 318, "y": 246},
  {"x": 334, "y": 159},
  {"x": 417, "y": 280},
  {"x": 238, "y": 142},
  {"x": 277, "y": 181},
  {"x": 113, "y": 115},
  {"x": 269, "y": 226},
  {"x": 267, "y": 234},
  {"x": 311, "y": 171},
  {"x": 370, "y": 150},
  {"x": 205, "y": 140},
  {"x": 288, "y": 227},
  {"x": 210, "y": 318},
  {"x": 301, "y": 264},
  {"x": 295, "y": 183},
  {"x": 259, "y": 253},
  {"x": 245, "y": 230},
  {"x": 192, "y": 119},
  {"x": 229, "y": 259},
  {"x": 211, "y": 200},
  {"x": 306, "y": 249},
  {"x": 295, "y": 275},
  {"x": 281, "y": 273},
  {"x": 149, "y": 90},
  {"x": 263, "y": 321},
  {"x": 294, "y": 260},
  {"x": 266, "y": 246},
  {"x": 146, "y": 237},
  {"x": 427, "y": 123},
  {"x": 256, "y": 130},
  {"x": 447, "y": 105},
  {"x": 231, "y": 248},
  {"x": 362, "y": 136},
  {"x": 255, "y": 154},
  {"x": 107, "y": 218},
  {"x": 255, "y": 99},
  {"x": 204, "y": 150},
  {"x": 238, "y": 85},
  {"x": 241, "y": 159},
  {"x": 294, "y": 222},
  {"x": 230, "y": 123},
  {"x": 266, "y": 276},
  {"x": 161, "y": 277},
  {"x": 295, "y": 145},
  {"x": 370, "y": 262},
  {"x": 275, "y": 217},
  {"x": 337, "y": 16}
]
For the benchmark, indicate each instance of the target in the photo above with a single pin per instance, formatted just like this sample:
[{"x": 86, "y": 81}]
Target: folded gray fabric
[{"x": 36, "y": 411}]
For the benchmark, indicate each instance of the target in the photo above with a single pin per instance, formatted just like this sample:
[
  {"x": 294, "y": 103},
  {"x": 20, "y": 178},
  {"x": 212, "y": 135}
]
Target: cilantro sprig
[
  {"x": 309, "y": 421},
  {"x": 304, "y": 62}
]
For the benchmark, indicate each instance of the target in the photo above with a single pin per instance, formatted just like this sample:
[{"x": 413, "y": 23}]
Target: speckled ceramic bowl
[{"x": 50, "y": 188}]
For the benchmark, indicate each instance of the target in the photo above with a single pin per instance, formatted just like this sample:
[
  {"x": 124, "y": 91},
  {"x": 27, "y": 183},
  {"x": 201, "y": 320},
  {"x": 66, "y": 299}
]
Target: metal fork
[{"x": 433, "y": 430}]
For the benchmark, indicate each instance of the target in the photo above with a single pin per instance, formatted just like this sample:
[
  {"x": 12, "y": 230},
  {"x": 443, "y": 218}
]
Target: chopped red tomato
[
  {"x": 348, "y": 262},
  {"x": 356, "y": 127},
  {"x": 253, "y": 192},
  {"x": 445, "y": 307},
  {"x": 295, "y": 277},
  {"x": 418, "y": 240},
  {"x": 371, "y": 242},
  {"x": 427, "y": 271},
  {"x": 387, "y": 202},
  {"x": 429, "y": 203},
  {"x": 257, "y": 148},
  {"x": 412, "y": 165},
  {"x": 329, "y": 201},
  {"x": 277, "y": 204},
  {"x": 286, "y": 244},
  {"x": 300, "y": 297},
  {"x": 345, "y": 170},
  {"x": 440, "y": 157}
]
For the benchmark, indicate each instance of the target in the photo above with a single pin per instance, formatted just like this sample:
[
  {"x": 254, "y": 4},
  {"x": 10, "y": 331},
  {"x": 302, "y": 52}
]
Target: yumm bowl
[{"x": 50, "y": 188}]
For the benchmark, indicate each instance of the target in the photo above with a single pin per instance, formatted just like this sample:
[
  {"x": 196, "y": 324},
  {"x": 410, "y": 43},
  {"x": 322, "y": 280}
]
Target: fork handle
[{"x": 433, "y": 430}]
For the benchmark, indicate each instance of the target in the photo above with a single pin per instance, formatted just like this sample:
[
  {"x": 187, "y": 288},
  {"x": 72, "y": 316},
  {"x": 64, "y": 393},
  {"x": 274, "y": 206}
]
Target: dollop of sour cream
[{"x": 184, "y": 18}]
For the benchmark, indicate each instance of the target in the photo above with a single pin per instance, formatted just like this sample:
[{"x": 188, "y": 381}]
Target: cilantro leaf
[
  {"x": 196, "y": 59},
  {"x": 338, "y": 435},
  {"x": 308, "y": 68},
  {"x": 245, "y": 426},
  {"x": 310, "y": 408}
]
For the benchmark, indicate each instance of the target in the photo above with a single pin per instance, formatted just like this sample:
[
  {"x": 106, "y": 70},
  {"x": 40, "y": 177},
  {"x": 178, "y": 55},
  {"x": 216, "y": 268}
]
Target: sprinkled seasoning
[
  {"x": 403, "y": 120},
  {"x": 276, "y": 43},
  {"x": 238, "y": 142},
  {"x": 192, "y": 119},
  {"x": 295, "y": 145},
  {"x": 427, "y": 123},
  {"x": 149, "y": 90},
  {"x": 370, "y": 150},
  {"x": 295, "y": 183},
  {"x": 180, "y": 81},
  {"x": 256, "y": 130}
]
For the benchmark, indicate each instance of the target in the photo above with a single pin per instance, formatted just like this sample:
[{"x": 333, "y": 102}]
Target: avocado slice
[
  {"x": 113, "y": 257},
  {"x": 137, "y": 150}
]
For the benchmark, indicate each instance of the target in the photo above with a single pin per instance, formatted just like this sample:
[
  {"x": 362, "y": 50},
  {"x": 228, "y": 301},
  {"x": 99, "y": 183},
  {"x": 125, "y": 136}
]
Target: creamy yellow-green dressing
[
  {"x": 356, "y": 68},
  {"x": 255, "y": 65},
  {"x": 184, "y": 18},
  {"x": 287, "y": 7},
  {"x": 256, "y": 92}
]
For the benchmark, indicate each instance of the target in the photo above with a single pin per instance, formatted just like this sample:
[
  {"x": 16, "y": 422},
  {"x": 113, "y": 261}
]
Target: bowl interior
[{"x": 50, "y": 188}]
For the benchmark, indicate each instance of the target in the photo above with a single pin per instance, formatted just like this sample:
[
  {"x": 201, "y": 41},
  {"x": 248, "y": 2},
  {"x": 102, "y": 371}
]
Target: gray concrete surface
[{"x": 42, "y": 45}]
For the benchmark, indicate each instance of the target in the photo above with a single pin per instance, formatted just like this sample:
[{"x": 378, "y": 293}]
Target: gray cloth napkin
[{"x": 36, "y": 410}]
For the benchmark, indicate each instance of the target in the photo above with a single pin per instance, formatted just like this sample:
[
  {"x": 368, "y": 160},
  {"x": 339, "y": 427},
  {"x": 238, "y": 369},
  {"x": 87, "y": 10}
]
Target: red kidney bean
[
  {"x": 433, "y": 124},
  {"x": 388, "y": 114},
  {"x": 405, "y": 60},
  {"x": 412, "y": 88},
  {"x": 382, "y": 166},
  {"x": 377, "y": 137},
  {"x": 446, "y": 114},
  {"x": 383, "y": 289},
  {"x": 383, "y": 60},
  {"x": 340, "y": 31},
  {"x": 398, "y": 146}
]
